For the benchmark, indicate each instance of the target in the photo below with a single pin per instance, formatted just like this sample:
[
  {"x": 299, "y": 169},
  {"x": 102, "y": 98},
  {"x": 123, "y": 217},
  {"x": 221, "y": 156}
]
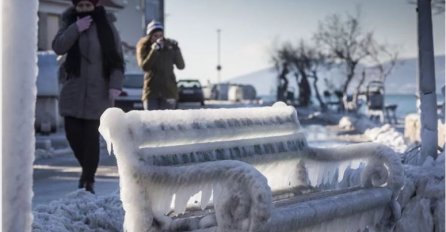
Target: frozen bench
[{"x": 245, "y": 169}]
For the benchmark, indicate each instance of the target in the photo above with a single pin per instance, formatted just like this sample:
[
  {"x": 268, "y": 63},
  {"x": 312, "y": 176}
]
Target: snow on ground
[
  {"x": 80, "y": 211},
  {"x": 385, "y": 134},
  {"x": 423, "y": 196}
]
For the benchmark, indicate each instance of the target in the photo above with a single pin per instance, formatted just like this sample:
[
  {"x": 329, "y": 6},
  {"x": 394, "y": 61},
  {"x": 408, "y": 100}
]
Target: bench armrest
[
  {"x": 241, "y": 195},
  {"x": 384, "y": 167}
]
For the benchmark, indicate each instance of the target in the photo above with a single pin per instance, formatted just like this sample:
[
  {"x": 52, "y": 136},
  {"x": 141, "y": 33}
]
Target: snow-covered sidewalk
[{"x": 55, "y": 177}]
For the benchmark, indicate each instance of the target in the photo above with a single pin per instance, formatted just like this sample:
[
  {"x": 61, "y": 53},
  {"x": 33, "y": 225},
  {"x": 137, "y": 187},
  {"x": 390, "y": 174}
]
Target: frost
[
  {"x": 80, "y": 211},
  {"x": 233, "y": 159}
]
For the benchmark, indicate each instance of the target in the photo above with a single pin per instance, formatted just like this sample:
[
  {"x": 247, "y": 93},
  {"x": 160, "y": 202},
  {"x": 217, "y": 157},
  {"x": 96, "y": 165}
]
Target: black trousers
[{"x": 83, "y": 136}]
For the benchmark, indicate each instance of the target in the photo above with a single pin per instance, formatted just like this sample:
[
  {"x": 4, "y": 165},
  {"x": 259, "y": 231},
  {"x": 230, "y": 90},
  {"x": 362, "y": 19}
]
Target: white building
[{"x": 50, "y": 12}]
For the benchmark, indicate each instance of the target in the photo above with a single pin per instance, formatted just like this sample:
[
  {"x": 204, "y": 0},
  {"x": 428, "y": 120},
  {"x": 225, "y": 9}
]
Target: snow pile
[
  {"x": 387, "y": 135},
  {"x": 347, "y": 123},
  {"x": 359, "y": 123},
  {"x": 80, "y": 211},
  {"x": 423, "y": 196}
]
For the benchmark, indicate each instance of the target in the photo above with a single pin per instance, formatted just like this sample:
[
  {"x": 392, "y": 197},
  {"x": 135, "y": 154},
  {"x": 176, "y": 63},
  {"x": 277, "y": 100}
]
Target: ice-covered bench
[{"x": 245, "y": 169}]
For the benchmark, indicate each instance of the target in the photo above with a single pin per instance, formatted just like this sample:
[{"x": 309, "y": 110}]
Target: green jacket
[{"x": 158, "y": 66}]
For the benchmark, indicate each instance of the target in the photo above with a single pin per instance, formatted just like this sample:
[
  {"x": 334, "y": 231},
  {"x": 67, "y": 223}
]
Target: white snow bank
[
  {"x": 80, "y": 211},
  {"x": 389, "y": 136},
  {"x": 423, "y": 196},
  {"x": 385, "y": 134},
  {"x": 359, "y": 124}
]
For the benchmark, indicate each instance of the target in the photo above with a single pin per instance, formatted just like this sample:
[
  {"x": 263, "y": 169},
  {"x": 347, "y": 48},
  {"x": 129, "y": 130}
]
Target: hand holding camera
[{"x": 159, "y": 44}]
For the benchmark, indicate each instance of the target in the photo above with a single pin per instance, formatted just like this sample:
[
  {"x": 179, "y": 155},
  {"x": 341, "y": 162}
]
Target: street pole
[
  {"x": 426, "y": 80},
  {"x": 18, "y": 86},
  {"x": 218, "y": 64}
]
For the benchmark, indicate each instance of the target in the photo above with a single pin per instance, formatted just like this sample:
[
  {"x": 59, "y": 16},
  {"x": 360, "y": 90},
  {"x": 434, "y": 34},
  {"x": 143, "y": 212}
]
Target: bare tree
[
  {"x": 300, "y": 60},
  {"x": 280, "y": 59},
  {"x": 309, "y": 61},
  {"x": 306, "y": 62},
  {"x": 384, "y": 59},
  {"x": 344, "y": 39}
]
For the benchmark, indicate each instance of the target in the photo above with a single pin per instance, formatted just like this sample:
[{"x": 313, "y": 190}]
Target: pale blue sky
[{"x": 250, "y": 27}]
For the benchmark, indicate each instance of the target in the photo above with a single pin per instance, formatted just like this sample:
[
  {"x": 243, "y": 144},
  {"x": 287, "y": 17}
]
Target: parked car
[
  {"x": 130, "y": 97},
  {"x": 190, "y": 91}
]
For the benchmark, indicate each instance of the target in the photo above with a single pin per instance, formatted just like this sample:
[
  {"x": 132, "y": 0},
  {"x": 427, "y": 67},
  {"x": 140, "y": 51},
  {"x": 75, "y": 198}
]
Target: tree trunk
[
  {"x": 282, "y": 86},
  {"x": 426, "y": 80},
  {"x": 318, "y": 95},
  {"x": 304, "y": 90},
  {"x": 350, "y": 74}
]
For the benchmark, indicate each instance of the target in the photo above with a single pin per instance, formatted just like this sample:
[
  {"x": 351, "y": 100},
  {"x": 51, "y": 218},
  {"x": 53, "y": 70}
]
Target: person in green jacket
[{"x": 157, "y": 55}]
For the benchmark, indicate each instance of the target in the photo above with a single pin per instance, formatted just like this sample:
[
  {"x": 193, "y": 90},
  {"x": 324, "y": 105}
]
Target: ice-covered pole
[
  {"x": 426, "y": 80},
  {"x": 19, "y": 72}
]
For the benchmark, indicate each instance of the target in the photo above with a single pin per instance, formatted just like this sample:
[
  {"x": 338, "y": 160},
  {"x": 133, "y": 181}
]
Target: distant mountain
[
  {"x": 402, "y": 80},
  {"x": 403, "y": 77}
]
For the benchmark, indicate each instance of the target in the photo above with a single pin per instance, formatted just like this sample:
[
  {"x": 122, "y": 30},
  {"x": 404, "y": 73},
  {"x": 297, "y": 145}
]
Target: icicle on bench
[{"x": 245, "y": 169}]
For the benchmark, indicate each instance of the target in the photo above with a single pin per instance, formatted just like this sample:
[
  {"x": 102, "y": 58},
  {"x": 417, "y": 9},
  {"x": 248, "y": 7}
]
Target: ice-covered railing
[{"x": 233, "y": 159}]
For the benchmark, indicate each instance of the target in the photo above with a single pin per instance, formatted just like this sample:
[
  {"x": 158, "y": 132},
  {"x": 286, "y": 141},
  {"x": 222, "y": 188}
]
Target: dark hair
[
  {"x": 111, "y": 58},
  {"x": 155, "y": 30},
  {"x": 94, "y": 2}
]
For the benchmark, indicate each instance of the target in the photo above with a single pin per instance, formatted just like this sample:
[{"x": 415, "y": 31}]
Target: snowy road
[{"x": 54, "y": 178}]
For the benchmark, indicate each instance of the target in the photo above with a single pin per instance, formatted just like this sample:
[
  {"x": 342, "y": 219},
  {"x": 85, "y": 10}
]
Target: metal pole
[
  {"x": 426, "y": 80},
  {"x": 218, "y": 64},
  {"x": 161, "y": 13}
]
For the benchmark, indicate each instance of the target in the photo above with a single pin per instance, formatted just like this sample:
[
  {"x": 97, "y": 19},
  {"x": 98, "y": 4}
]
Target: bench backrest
[{"x": 258, "y": 136}]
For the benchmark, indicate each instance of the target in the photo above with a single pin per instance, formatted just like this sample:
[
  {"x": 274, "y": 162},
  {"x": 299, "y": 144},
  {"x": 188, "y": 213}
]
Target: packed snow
[
  {"x": 80, "y": 211},
  {"x": 383, "y": 134}
]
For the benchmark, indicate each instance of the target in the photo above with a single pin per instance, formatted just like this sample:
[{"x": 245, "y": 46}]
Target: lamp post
[
  {"x": 218, "y": 64},
  {"x": 426, "y": 80},
  {"x": 18, "y": 110}
]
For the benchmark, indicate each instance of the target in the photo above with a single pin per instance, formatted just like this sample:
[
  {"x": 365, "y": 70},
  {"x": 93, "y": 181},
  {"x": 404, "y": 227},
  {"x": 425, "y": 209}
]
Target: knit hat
[
  {"x": 75, "y": 2},
  {"x": 153, "y": 26}
]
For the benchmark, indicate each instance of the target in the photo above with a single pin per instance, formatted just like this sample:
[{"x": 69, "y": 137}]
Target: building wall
[
  {"x": 49, "y": 13},
  {"x": 130, "y": 22}
]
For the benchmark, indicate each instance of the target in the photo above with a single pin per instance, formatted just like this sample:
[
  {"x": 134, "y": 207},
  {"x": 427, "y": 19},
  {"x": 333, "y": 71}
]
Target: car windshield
[
  {"x": 189, "y": 84},
  {"x": 133, "y": 80}
]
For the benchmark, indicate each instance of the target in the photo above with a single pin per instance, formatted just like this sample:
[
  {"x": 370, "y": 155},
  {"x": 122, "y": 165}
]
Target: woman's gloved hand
[
  {"x": 113, "y": 94},
  {"x": 83, "y": 23}
]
